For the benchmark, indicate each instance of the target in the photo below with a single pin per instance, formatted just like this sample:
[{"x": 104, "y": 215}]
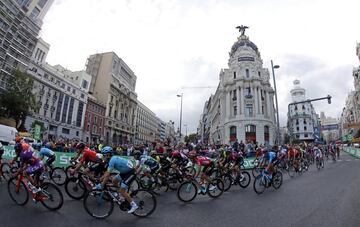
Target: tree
[
  {"x": 18, "y": 100},
  {"x": 192, "y": 138}
]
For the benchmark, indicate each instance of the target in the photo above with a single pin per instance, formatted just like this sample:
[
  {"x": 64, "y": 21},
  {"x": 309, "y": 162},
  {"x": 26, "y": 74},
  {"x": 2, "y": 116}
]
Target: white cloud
[{"x": 170, "y": 44}]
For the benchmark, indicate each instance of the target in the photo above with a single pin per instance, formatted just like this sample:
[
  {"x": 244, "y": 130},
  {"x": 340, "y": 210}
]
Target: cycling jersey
[
  {"x": 46, "y": 152},
  {"x": 271, "y": 156},
  {"x": 147, "y": 160},
  {"x": 120, "y": 164},
  {"x": 89, "y": 156},
  {"x": 126, "y": 170},
  {"x": 203, "y": 161},
  {"x": 28, "y": 158}
]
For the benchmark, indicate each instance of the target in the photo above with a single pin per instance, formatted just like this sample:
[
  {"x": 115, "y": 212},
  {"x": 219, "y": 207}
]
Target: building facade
[
  {"x": 113, "y": 83},
  {"x": 303, "y": 122},
  {"x": 329, "y": 128},
  {"x": 242, "y": 107},
  {"x": 61, "y": 95},
  {"x": 147, "y": 125},
  {"x": 350, "y": 117},
  {"x": 94, "y": 125},
  {"x": 20, "y": 24},
  {"x": 170, "y": 133}
]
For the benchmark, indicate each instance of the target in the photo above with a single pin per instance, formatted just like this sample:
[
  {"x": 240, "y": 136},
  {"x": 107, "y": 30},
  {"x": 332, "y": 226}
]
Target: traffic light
[{"x": 329, "y": 99}]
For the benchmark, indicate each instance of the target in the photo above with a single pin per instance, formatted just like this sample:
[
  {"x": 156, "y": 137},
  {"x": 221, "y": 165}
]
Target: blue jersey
[
  {"x": 46, "y": 152},
  {"x": 120, "y": 164},
  {"x": 271, "y": 156}
]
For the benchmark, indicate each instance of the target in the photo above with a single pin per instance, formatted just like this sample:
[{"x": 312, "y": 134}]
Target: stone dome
[{"x": 242, "y": 42}]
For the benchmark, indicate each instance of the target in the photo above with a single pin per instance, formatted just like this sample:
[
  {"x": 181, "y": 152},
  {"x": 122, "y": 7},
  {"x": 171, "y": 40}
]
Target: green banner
[
  {"x": 353, "y": 151},
  {"x": 37, "y": 132}
]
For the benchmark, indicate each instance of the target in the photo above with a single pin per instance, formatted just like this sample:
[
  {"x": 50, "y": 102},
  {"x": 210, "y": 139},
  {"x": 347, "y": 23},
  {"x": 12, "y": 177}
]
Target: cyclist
[
  {"x": 47, "y": 152},
  {"x": 206, "y": 172},
  {"x": 271, "y": 157},
  {"x": 33, "y": 166},
  {"x": 126, "y": 175},
  {"x": 318, "y": 154},
  {"x": 148, "y": 161},
  {"x": 88, "y": 156},
  {"x": 17, "y": 147}
]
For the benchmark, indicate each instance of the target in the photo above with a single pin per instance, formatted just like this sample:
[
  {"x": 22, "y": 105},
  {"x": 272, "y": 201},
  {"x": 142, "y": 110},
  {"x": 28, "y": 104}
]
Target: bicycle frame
[{"x": 35, "y": 196}]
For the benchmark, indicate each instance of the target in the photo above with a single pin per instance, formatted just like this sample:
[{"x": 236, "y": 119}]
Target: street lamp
[
  {"x": 181, "y": 110},
  {"x": 277, "y": 106}
]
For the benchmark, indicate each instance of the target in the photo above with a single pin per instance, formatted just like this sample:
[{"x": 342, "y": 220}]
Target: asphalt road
[{"x": 329, "y": 197}]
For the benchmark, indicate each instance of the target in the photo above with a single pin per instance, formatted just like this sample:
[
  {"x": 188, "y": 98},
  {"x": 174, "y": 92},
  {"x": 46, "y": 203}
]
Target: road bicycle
[
  {"x": 189, "y": 189},
  {"x": 100, "y": 203},
  {"x": 48, "y": 194},
  {"x": 264, "y": 181}
]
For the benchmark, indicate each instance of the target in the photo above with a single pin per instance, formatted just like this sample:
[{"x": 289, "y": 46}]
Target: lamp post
[
  {"x": 181, "y": 96},
  {"x": 277, "y": 106}
]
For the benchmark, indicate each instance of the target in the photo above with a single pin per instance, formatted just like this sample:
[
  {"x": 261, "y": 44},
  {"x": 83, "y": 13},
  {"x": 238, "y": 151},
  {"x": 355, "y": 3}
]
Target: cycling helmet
[
  {"x": 80, "y": 146},
  {"x": 25, "y": 146},
  {"x": 107, "y": 150}
]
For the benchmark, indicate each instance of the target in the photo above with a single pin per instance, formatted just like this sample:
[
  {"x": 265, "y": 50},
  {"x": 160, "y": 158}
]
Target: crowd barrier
[
  {"x": 63, "y": 158},
  {"x": 353, "y": 151}
]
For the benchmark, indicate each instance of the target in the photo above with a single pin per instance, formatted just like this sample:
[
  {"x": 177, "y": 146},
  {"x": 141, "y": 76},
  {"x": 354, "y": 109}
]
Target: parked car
[{"x": 7, "y": 134}]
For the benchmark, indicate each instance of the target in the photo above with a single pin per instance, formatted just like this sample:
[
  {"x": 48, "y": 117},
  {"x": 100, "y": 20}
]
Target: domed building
[{"x": 242, "y": 107}]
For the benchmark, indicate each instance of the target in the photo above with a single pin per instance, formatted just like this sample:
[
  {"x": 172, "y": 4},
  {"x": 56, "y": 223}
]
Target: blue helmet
[{"x": 107, "y": 150}]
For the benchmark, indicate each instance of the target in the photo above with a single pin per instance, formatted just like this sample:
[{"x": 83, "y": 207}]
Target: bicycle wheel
[
  {"x": 98, "y": 204},
  {"x": 50, "y": 196},
  {"x": 75, "y": 188},
  {"x": 259, "y": 184},
  {"x": 227, "y": 180},
  {"x": 58, "y": 176},
  {"x": 67, "y": 171},
  {"x": 18, "y": 191},
  {"x": 244, "y": 183},
  {"x": 215, "y": 188},
  {"x": 146, "y": 202},
  {"x": 277, "y": 180},
  {"x": 173, "y": 182},
  {"x": 187, "y": 191},
  {"x": 6, "y": 171}
]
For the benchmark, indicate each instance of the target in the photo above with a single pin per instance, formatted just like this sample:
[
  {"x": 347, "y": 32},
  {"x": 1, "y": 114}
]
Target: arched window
[
  {"x": 250, "y": 133},
  {"x": 232, "y": 133},
  {"x": 266, "y": 134}
]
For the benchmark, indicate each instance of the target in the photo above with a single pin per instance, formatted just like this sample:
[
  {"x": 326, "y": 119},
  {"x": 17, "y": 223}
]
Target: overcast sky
[{"x": 174, "y": 43}]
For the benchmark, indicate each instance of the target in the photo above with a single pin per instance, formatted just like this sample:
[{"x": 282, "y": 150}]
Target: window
[
  {"x": 234, "y": 75},
  {"x": 248, "y": 91},
  {"x": 297, "y": 128},
  {"x": 65, "y": 130},
  {"x": 84, "y": 84},
  {"x": 94, "y": 129},
  {"x": 306, "y": 135},
  {"x": 297, "y": 121},
  {"x": 248, "y": 110},
  {"x": 234, "y": 95},
  {"x": 262, "y": 109},
  {"x": 74, "y": 92},
  {"x": 82, "y": 96},
  {"x": 296, "y": 107},
  {"x": 110, "y": 109},
  {"x": 250, "y": 133},
  {"x": 305, "y": 128},
  {"x": 42, "y": 3},
  {"x": 247, "y": 73},
  {"x": 259, "y": 73},
  {"x": 77, "y": 133},
  {"x": 305, "y": 122},
  {"x": 235, "y": 110},
  {"x": 68, "y": 89},
  {"x": 266, "y": 134},
  {"x": 303, "y": 107},
  {"x": 35, "y": 13},
  {"x": 95, "y": 120},
  {"x": 111, "y": 99},
  {"x": 232, "y": 133}
]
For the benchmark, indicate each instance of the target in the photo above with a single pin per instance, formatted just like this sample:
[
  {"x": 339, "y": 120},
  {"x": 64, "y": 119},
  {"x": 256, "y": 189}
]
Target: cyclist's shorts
[
  {"x": 50, "y": 160},
  {"x": 126, "y": 178},
  {"x": 37, "y": 168},
  {"x": 98, "y": 167}
]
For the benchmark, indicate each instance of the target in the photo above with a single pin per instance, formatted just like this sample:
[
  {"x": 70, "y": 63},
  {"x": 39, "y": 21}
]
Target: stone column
[
  {"x": 227, "y": 102},
  {"x": 254, "y": 92},
  {"x": 242, "y": 100},
  {"x": 267, "y": 104},
  {"x": 238, "y": 100},
  {"x": 259, "y": 100}
]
